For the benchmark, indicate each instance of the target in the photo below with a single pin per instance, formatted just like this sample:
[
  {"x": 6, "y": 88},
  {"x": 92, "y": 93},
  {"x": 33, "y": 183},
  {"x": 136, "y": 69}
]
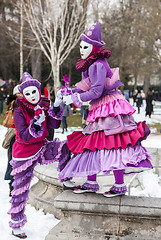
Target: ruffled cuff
[
  {"x": 33, "y": 131},
  {"x": 76, "y": 99},
  {"x": 57, "y": 115}
]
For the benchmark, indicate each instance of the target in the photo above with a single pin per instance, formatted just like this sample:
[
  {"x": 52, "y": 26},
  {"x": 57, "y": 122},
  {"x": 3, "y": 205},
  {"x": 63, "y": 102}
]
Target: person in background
[
  {"x": 10, "y": 86},
  {"x": 134, "y": 97},
  {"x": 74, "y": 108},
  {"x": 52, "y": 95},
  {"x": 149, "y": 105},
  {"x": 143, "y": 97},
  {"x": 67, "y": 112},
  {"x": 10, "y": 138},
  {"x": 84, "y": 113},
  {"x": 47, "y": 91},
  {"x": 127, "y": 95},
  {"x": 143, "y": 94},
  {"x": 3, "y": 94},
  {"x": 139, "y": 101}
]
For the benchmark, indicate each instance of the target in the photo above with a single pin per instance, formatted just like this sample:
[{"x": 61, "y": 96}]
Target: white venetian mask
[
  {"x": 32, "y": 94},
  {"x": 85, "y": 49}
]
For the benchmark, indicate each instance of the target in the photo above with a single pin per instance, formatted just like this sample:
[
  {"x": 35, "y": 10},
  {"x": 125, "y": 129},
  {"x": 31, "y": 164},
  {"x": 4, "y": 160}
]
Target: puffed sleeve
[
  {"x": 97, "y": 74},
  {"x": 54, "y": 119}
]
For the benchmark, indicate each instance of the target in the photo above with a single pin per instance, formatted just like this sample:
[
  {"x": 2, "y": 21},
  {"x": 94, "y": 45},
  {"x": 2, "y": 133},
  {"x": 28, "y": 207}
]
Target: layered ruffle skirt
[{"x": 111, "y": 140}]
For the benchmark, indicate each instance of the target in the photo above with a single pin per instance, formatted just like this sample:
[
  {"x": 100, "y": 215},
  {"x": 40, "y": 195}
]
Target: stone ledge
[
  {"x": 48, "y": 173},
  {"x": 97, "y": 203},
  {"x": 93, "y": 216}
]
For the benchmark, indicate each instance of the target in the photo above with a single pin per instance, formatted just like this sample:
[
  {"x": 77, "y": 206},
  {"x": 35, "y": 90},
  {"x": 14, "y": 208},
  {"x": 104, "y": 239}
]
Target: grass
[
  {"x": 2, "y": 117},
  {"x": 75, "y": 120},
  {"x": 155, "y": 125}
]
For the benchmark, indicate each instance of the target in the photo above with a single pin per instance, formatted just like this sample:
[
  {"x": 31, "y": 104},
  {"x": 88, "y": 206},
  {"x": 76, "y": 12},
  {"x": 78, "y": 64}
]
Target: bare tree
[
  {"x": 21, "y": 40},
  {"x": 131, "y": 32},
  {"x": 57, "y": 26}
]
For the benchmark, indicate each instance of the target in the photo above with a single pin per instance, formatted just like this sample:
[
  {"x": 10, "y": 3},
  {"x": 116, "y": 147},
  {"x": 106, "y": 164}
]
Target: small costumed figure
[
  {"x": 112, "y": 139},
  {"x": 31, "y": 147}
]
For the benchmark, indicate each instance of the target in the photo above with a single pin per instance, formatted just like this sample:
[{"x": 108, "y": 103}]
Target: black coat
[
  {"x": 149, "y": 105},
  {"x": 139, "y": 100}
]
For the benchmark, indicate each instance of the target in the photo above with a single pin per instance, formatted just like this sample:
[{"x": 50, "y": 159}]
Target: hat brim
[
  {"x": 93, "y": 42},
  {"x": 27, "y": 83}
]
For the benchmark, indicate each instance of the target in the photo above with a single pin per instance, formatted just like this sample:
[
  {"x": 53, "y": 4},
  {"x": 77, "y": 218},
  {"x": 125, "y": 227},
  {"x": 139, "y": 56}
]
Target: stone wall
[{"x": 93, "y": 216}]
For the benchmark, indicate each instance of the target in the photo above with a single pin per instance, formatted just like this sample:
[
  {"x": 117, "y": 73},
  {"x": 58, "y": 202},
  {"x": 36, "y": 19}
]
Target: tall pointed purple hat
[
  {"x": 27, "y": 81},
  {"x": 93, "y": 36}
]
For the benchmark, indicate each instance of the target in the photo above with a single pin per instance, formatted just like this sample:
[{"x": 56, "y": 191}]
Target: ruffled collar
[
  {"x": 83, "y": 64},
  {"x": 44, "y": 102}
]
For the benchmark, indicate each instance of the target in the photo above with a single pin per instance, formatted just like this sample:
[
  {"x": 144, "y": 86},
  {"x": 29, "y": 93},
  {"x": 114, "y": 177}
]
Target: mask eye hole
[
  {"x": 34, "y": 91},
  {"x": 27, "y": 94},
  {"x": 80, "y": 46},
  {"x": 85, "y": 47}
]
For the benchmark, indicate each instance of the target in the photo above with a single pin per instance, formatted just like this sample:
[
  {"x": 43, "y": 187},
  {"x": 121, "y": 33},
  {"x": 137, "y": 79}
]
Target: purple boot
[
  {"x": 116, "y": 190},
  {"x": 88, "y": 186}
]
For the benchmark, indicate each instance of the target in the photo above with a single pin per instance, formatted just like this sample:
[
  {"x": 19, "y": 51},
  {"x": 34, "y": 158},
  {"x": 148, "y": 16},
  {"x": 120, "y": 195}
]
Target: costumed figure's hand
[
  {"x": 67, "y": 99},
  {"x": 41, "y": 118},
  {"x": 36, "y": 126},
  {"x": 74, "y": 98},
  {"x": 58, "y": 99}
]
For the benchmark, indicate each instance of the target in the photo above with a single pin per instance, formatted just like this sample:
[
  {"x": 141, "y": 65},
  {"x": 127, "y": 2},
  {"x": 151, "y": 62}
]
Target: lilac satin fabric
[
  {"x": 111, "y": 125},
  {"x": 90, "y": 162},
  {"x": 76, "y": 100}
]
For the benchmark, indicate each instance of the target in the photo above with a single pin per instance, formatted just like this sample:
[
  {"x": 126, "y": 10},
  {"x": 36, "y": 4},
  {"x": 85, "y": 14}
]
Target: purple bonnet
[
  {"x": 93, "y": 36},
  {"x": 27, "y": 81}
]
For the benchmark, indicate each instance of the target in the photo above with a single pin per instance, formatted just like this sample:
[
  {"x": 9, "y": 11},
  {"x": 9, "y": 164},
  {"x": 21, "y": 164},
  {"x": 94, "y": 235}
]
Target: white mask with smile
[
  {"x": 85, "y": 49},
  {"x": 32, "y": 94}
]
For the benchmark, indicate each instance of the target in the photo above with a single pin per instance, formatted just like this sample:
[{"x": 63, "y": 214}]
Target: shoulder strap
[{"x": 12, "y": 104}]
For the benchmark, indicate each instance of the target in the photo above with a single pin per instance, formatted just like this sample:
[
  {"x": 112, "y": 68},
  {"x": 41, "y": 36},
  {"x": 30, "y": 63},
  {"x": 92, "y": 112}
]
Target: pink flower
[{"x": 65, "y": 89}]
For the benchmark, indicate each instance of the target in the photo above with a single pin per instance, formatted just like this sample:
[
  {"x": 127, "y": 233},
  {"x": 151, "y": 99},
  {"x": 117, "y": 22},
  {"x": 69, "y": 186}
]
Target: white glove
[
  {"x": 67, "y": 99},
  {"x": 41, "y": 119},
  {"x": 58, "y": 99}
]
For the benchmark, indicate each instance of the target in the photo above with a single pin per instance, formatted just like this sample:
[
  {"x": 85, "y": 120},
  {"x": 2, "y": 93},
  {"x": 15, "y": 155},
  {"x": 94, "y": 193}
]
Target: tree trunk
[
  {"x": 36, "y": 57},
  {"x": 135, "y": 82},
  {"x": 56, "y": 80},
  {"x": 21, "y": 41},
  {"x": 146, "y": 84}
]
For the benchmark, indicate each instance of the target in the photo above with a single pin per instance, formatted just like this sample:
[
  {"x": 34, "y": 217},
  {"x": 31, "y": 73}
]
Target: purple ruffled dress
[{"x": 112, "y": 139}]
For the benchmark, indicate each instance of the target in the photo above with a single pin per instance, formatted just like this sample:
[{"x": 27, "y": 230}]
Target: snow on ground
[{"x": 39, "y": 224}]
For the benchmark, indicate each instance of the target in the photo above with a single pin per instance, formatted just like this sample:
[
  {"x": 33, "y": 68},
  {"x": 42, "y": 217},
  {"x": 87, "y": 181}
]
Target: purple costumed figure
[
  {"x": 31, "y": 147},
  {"x": 112, "y": 139}
]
